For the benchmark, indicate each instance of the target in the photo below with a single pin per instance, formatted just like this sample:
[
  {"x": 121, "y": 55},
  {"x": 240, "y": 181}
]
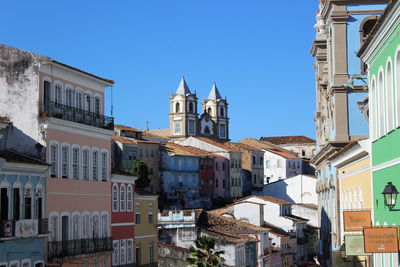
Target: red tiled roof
[
  {"x": 218, "y": 144},
  {"x": 127, "y": 128},
  {"x": 187, "y": 150},
  {"x": 244, "y": 146},
  {"x": 174, "y": 246},
  {"x": 267, "y": 198},
  {"x": 131, "y": 141},
  {"x": 241, "y": 202},
  {"x": 263, "y": 145},
  {"x": 295, "y": 139},
  {"x": 283, "y": 154}
]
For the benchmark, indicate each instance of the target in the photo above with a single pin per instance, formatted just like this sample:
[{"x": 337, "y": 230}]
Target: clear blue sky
[{"x": 256, "y": 51}]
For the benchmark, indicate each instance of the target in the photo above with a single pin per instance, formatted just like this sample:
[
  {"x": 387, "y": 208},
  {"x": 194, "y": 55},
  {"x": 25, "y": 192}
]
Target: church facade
[{"x": 184, "y": 115}]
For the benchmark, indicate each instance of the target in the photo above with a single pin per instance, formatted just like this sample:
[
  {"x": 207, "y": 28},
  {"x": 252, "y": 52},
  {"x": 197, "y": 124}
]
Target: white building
[
  {"x": 297, "y": 189},
  {"x": 280, "y": 165}
]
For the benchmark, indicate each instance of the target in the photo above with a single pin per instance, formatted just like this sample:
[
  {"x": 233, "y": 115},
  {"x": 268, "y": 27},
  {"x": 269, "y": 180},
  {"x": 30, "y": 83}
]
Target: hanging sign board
[
  {"x": 356, "y": 220},
  {"x": 381, "y": 240},
  {"x": 355, "y": 245}
]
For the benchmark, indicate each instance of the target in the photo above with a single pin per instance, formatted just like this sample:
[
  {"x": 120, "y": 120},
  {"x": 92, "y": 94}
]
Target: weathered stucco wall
[{"x": 19, "y": 93}]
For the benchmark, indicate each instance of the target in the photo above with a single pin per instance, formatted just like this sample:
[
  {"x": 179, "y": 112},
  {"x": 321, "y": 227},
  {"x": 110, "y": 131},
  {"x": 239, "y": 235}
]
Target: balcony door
[
  {"x": 4, "y": 204},
  {"x": 64, "y": 234}
]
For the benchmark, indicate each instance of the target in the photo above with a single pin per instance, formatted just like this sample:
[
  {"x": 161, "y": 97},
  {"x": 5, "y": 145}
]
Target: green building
[{"x": 381, "y": 53}]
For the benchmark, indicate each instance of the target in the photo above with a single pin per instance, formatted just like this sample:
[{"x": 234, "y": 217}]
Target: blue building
[
  {"x": 23, "y": 227},
  {"x": 179, "y": 177}
]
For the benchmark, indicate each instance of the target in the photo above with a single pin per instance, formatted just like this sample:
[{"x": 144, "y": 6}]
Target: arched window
[
  {"x": 64, "y": 162},
  {"x": 122, "y": 198},
  {"x": 389, "y": 97},
  {"x": 129, "y": 199},
  {"x": 53, "y": 227},
  {"x": 191, "y": 109},
  {"x": 373, "y": 110},
  {"x": 397, "y": 75},
  {"x": 177, "y": 107},
  {"x": 76, "y": 227},
  {"x": 104, "y": 225},
  {"x": 221, "y": 111},
  {"x": 86, "y": 226},
  {"x": 78, "y": 100},
  {"x": 381, "y": 94},
  {"x": 115, "y": 197},
  {"x": 206, "y": 130},
  {"x": 365, "y": 28},
  {"x": 96, "y": 225},
  {"x": 54, "y": 160},
  {"x": 209, "y": 111}
]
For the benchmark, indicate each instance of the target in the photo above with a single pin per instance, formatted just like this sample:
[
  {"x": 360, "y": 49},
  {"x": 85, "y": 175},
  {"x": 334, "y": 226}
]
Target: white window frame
[
  {"x": 122, "y": 198},
  {"x": 104, "y": 165},
  {"x": 389, "y": 95},
  {"x": 86, "y": 226},
  {"x": 76, "y": 164},
  {"x": 69, "y": 93},
  {"x": 79, "y": 94},
  {"x": 396, "y": 72},
  {"x": 129, "y": 198},
  {"x": 58, "y": 92},
  {"x": 122, "y": 251},
  {"x": 129, "y": 251},
  {"x": 95, "y": 164},
  {"x": 54, "y": 161},
  {"x": 86, "y": 167},
  {"x": 104, "y": 221},
  {"x": 115, "y": 201},
  {"x": 150, "y": 207},
  {"x": 115, "y": 254},
  {"x": 137, "y": 214},
  {"x": 79, "y": 230},
  {"x": 96, "y": 214},
  {"x": 65, "y": 161}
]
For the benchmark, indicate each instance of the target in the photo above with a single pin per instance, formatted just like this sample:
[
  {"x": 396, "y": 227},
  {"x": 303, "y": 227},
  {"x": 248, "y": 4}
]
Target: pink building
[
  {"x": 58, "y": 110},
  {"x": 221, "y": 175}
]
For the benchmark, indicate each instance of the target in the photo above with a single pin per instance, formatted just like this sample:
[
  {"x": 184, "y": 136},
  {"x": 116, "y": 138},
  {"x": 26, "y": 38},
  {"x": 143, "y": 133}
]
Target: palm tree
[{"x": 204, "y": 254}]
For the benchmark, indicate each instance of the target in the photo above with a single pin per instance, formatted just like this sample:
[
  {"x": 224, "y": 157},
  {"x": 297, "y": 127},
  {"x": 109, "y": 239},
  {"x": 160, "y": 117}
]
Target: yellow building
[
  {"x": 146, "y": 232},
  {"x": 353, "y": 168}
]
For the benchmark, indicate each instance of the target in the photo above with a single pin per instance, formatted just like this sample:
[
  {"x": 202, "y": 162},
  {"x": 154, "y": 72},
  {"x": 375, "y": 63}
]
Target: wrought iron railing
[
  {"x": 61, "y": 249},
  {"x": 64, "y": 112}
]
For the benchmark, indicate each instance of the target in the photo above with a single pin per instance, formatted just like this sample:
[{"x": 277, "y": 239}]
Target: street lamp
[
  {"x": 390, "y": 195},
  {"x": 349, "y": 85}
]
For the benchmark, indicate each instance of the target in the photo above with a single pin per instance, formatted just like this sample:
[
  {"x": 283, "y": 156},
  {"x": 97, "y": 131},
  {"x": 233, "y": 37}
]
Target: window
[
  {"x": 104, "y": 166},
  {"x": 76, "y": 227},
  {"x": 28, "y": 203},
  {"x": 53, "y": 227},
  {"x": 16, "y": 203},
  {"x": 75, "y": 163},
  {"x": 303, "y": 153},
  {"x": 267, "y": 164},
  {"x": 104, "y": 225},
  {"x": 221, "y": 111},
  {"x": 129, "y": 199},
  {"x": 85, "y": 165},
  {"x": 381, "y": 94},
  {"x": 254, "y": 178},
  {"x": 177, "y": 107},
  {"x": 397, "y": 77},
  {"x": 137, "y": 213},
  {"x": 115, "y": 255},
  {"x": 191, "y": 109},
  {"x": 86, "y": 226},
  {"x": 69, "y": 96},
  {"x": 150, "y": 207},
  {"x": 191, "y": 127},
  {"x": 115, "y": 197},
  {"x": 57, "y": 95},
  {"x": 46, "y": 94},
  {"x": 54, "y": 160},
  {"x": 216, "y": 183},
  {"x": 96, "y": 225},
  {"x": 122, "y": 198},
  {"x": 209, "y": 110},
  {"x": 95, "y": 167},
  {"x": 177, "y": 127},
  {"x": 129, "y": 251},
  {"x": 222, "y": 131},
  {"x": 88, "y": 101},
  {"x": 223, "y": 166},
  {"x": 138, "y": 253},
  {"x": 65, "y": 163},
  {"x": 151, "y": 252},
  {"x": 78, "y": 100},
  {"x": 389, "y": 97},
  {"x": 26, "y": 263},
  {"x": 97, "y": 105},
  {"x": 254, "y": 159}
]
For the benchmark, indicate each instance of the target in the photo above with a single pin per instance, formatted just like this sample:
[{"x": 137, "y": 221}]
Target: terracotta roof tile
[
  {"x": 174, "y": 246},
  {"x": 263, "y": 145},
  {"x": 267, "y": 198},
  {"x": 244, "y": 146},
  {"x": 165, "y": 133},
  {"x": 127, "y": 128},
  {"x": 295, "y": 139},
  {"x": 218, "y": 144},
  {"x": 131, "y": 141},
  {"x": 283, "y": 154},
  {"x": 187, "y": 150}
]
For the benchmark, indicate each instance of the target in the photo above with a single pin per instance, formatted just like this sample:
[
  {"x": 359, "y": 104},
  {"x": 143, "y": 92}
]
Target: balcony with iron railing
[
  {"x": 64, "y": 112},
  {"x": 58, "y": 250},
  {"x": 27, "y": 228}
]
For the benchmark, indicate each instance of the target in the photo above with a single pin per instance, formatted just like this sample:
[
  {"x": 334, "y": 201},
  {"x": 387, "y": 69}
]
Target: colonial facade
[
  {"x": 59, "y": 114},
  {"x": 22, "y": 205},
  {"x": 341, "y": 28},
  {"x": 381, "y": 53},
  {"x": 303, "y": 146}
]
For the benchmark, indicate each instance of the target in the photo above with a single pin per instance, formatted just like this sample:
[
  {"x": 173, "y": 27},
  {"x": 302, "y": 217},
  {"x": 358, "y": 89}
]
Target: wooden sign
[
  {"x": 381, "y": 240},
  {"x": 356, "y": 220}
]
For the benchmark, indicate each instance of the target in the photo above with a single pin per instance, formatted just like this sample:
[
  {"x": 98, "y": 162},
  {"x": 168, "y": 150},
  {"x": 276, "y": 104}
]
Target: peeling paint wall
[{"x": 19, "y": 98}]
